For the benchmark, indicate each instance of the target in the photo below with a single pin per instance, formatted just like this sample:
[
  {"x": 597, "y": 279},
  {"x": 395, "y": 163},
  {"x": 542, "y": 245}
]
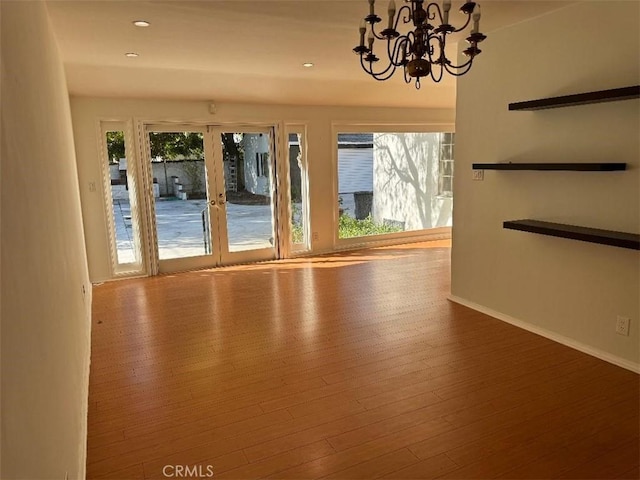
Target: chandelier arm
[
  {"x": 431, "y": 49},
  {"x": 407, "y": 78},
  {"x": 406, "y": 19},
  {"x": 466, "y": 24},
  {"x": 382, "y": 75},
  {"x": 375, "y": 34},
  {"x": 437, "y": 79},
  {"x": 411, "y": 37},
  {"x": 371, "y": 72},
  {"x": 466, "y": 67},
  {"x": 432, "y": 16},
  {"x": 437, "y": 61},
  {"x": 385, "y": 75},
  {"x": 396, "y": 55},
  {"x": 458, "y": 67}
]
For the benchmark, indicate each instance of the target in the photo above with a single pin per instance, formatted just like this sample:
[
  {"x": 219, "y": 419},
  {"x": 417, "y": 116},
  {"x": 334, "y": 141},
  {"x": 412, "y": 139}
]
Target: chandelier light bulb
[
  {"x": 392, "y": 12},
  {"x": 446, "y": 7},
  {"x": 371, "y": 39},
  {"x": 476, "y": 13},
  {"x": 476, "y": 19},
  {"x": 363, "y": 31},
  {"x": 420, "y": 52}
]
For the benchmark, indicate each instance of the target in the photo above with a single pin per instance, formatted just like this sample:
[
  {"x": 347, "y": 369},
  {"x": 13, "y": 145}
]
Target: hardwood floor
[{"x": 351, "y": 366}]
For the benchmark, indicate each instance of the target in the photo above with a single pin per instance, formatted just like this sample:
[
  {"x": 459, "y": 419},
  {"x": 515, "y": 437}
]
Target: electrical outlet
[
  {"x": 478, "y": 175},
  {"x": 622, "y": 326},
  {"x": 92, "y": 186},
  {"x": 315, "y": 236}
]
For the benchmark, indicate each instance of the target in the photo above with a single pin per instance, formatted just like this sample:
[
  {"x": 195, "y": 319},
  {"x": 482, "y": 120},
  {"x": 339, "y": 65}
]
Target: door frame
[
  {"x": 228, "y": 257},
  {"x": 279, "y": 182}
]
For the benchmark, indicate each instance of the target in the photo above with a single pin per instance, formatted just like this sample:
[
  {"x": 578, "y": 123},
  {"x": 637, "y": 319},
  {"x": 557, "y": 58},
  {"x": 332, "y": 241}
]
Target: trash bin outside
[{"x": 364, "y": 203}]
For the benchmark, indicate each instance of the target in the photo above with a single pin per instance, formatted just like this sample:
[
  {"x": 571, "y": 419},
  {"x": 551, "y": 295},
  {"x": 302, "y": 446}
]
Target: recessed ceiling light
[
  {"x": 141, "y": 23},
  {"x": 307, "y": 64},
  {"x": 131, "y": 55}
]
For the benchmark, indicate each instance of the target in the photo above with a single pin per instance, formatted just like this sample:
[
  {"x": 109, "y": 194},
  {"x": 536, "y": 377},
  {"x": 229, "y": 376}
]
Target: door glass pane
[
  {"x": 247, "y": 159},
  {"x": 124, "y": 225},
  {"x": 180, "y": 193}
]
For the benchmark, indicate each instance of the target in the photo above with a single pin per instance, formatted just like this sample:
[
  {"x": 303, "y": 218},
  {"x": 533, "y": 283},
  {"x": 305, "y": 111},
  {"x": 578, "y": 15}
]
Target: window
[
  {"x": 120, "y": 196},
  {"x": 445, "y": 171},
  {"x": 392, "y": 182},
  {"x": 262, "y": 164},
  {"x": 298, "y": 189}
]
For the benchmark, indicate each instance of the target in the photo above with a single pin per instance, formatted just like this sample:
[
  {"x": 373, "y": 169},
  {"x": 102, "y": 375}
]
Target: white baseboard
[{"x": 556, "y": 337}]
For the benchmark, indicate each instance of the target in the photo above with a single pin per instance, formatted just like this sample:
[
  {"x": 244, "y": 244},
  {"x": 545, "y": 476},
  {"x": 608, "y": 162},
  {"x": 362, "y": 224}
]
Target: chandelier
[{"x": 421, "y": 51}]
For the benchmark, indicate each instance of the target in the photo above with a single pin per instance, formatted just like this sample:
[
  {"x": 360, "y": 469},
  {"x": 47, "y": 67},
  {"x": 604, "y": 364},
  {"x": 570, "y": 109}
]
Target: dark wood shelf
[
  {"x": 584, "y": 234},
  {"x": 600, "y": 96},
  {"x": 577, "y": 167}
]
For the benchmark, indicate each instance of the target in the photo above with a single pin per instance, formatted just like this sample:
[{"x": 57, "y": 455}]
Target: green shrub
[
  {"x": 297, "y": 232},
  {"x": 350, "y": 227}
]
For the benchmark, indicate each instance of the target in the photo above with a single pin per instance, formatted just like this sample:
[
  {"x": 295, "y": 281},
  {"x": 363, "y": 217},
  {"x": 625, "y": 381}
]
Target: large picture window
[{"x": 394, "y": 182}]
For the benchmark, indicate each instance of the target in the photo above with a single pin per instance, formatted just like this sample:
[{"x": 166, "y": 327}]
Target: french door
[{"x": 213, "y": 196}]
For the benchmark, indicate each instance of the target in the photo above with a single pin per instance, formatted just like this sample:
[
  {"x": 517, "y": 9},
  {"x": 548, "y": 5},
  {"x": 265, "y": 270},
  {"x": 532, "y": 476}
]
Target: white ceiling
[{"x": 248, "y": 51}]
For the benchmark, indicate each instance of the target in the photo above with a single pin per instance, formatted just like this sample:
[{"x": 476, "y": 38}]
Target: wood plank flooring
[{"x": 350, "y": 366}]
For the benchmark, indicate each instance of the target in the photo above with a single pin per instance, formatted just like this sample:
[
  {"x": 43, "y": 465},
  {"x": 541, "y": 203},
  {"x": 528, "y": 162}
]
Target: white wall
[
  {"x": 562, "y": 287},
  {"x": 163, "y": 171},
  {"x": 253, "y": 144},
  {"x": 45, "y": 322},
  {"x": 406, "y": 181},
  {"x": 319, "y": 121}
]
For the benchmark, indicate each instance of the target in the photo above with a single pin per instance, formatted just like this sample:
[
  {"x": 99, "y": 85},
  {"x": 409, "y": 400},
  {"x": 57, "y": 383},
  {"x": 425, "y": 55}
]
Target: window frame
[
  {"x": 138, "y": 267},
  {"x": 437, "y": 233},
  {"x": 442, "y": 192},
  {"x": 303, "y": 248}
]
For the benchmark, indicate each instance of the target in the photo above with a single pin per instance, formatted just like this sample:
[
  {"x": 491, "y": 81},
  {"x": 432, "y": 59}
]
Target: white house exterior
[
  {"x": 256, "y": 163},
  {"x": 404, "y": 173},
  {"x": 355, "y": 163},
  {"x": 407, "y": 172}
]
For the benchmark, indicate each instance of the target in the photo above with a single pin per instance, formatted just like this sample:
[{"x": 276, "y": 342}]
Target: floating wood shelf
[
  {"x": 584, "y": 234},
  {"x": 578, "y": 167},
  {"x": 613, "y": 95}
]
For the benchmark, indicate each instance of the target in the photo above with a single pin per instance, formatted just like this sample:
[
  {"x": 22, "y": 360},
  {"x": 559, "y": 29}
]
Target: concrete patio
[{"x": 181, "y": 232}]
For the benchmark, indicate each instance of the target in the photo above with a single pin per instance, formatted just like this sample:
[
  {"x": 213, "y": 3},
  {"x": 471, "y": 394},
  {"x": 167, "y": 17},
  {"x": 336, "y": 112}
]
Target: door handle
[{"x": 221, "y": 199}]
